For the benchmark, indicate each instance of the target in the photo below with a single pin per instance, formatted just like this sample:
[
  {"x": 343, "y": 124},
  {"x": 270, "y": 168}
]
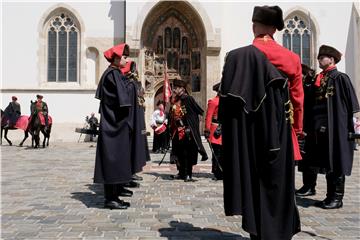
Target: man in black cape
[
  {"x": 258, "y": 166},
  {"x": 12, "y": 112},
  {"x": 113, "y": 152},
  {"x": 184, "y": 124},
  {"x": 330, "y": 103},
  {"x": 139, "y": 150}
]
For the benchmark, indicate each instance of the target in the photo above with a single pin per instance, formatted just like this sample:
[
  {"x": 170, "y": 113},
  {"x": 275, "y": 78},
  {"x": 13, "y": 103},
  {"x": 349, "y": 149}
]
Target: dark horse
[
  {"x": 35, "y": 127},
  {"x": 7, "y": 128}
]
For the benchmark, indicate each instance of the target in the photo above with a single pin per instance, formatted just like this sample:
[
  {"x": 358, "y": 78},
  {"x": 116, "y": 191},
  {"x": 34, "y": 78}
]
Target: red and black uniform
[
  {"x": 288, "y": 63},
  {"x": 331, "y": 102},
  {"x": 258, "y": 166},
  {"x": 41, "y": 110},
  {"x": 186, "y": 140},
  {"x": 211, "y": 124}
]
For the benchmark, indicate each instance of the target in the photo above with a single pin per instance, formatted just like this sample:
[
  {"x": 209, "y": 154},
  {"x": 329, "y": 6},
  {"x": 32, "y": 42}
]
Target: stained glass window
[
  {"x": 52, "y": 37},
  {"x": 297, "y": 38},
  {"x": 63, "y": 48}
]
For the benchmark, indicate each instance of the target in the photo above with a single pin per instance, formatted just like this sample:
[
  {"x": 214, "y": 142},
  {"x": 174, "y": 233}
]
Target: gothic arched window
[
  {"x": 168, "y": 37},
  {"x": 176, "y": 38},
  {"x": 63, "y": 47},
  {"x": 297, "y": 38},
  {"x": 159, "y": 45}
]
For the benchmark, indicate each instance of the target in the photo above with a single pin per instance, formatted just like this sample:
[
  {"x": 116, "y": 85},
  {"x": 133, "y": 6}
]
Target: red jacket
[
  {"x": 212, "y": 113},
  {"x": 289, "y": 63}
]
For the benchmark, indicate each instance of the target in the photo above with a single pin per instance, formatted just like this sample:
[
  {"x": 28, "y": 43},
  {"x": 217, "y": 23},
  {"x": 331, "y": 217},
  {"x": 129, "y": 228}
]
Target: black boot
[
  {"x": 136, "y": 177},
  {"x": 339, "y": 188},
  {"x": 305, "y": 191},
  {"x": 188, "y": 178},
  {"x": 121, "y": 191},
  {"x": 111, "y": 199},
  {"x": 309, "y": 180},
  {"x": 131, "y": 184},
  {"x": 188, "y": 172}
]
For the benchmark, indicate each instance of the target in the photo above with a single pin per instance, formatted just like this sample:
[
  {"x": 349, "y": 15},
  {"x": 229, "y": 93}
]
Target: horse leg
[
  {"x": 44, "y": 134},
  {"x": 48, "y": 137},
  {"x": 5, "y": 136},
  {"x": 37, "y": 140},
  {"x": 26, "y": 135},
  {"x": 47, "y": 142}
]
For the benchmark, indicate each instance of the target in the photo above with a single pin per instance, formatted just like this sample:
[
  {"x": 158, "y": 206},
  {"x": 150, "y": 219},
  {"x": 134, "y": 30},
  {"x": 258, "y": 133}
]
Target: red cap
[{"x": 119, "y": 50}]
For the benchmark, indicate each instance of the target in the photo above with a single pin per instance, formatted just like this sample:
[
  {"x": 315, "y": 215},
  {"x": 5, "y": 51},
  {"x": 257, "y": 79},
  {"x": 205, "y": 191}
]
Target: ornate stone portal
[
  {"x": 171, "y": 44},
  {"x": 173, "y": 37}
]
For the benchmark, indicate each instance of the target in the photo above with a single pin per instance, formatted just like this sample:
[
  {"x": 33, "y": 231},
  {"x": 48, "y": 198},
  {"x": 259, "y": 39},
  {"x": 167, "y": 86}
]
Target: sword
[
  {"x": 163, "y": 157},
  {"x": 157, "y": 177},
  {"x": 212, "y": 151}
]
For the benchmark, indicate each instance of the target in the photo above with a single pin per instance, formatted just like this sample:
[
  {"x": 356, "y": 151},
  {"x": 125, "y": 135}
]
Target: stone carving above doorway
[{"x": 171, "y": 43}]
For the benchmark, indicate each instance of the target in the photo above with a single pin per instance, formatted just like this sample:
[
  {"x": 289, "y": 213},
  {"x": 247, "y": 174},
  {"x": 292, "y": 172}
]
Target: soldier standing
[
  {"x": 213, "y": 133},
  {"x": 184, "y": 124},
  {"x": 331, "y": 102},
  {"x": 113, "y": 151},
  {"x": 259, "y": 176}
]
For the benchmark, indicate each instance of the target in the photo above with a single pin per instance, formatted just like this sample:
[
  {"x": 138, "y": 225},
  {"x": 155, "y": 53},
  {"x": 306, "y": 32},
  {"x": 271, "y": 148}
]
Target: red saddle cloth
[
  {"x": 22, "y": 122},
  {"x": 42, "y": 118}
]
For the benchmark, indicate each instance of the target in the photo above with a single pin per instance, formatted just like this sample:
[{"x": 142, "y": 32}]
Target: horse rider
[
  {"x": 12, "y": 112},
  {"x": 41, "y": 107}
]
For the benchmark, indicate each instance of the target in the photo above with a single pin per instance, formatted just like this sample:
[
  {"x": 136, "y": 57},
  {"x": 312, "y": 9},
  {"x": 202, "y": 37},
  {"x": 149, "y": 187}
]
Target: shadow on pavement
[
  {"x": 92, "y": 199},
  {"x": 184, "y": 230},
  {"x": 163, "y": 176},
  {"x": 168, "y": 176},
  {"x": 202, "y": 175},
  {"x": 305, "y": 202},
  {"x": 314, "y": 235}
]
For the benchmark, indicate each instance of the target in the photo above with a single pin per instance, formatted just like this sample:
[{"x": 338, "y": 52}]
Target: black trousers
[
  {"x": 160, "y": 141},
  {"x": 335, "y": 183},
  {"x": 215, "y": 169},
  {"x": 186, "y": 153}
]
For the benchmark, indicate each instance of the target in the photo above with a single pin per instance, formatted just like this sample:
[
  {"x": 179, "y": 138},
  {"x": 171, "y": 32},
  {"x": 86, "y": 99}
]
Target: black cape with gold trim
[
  {"x": 342, "y": 103},
  {"x": 258, "y": 167}
]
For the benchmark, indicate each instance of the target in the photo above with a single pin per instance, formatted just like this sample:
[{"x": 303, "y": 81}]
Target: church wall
[
  {"x": 21, "y": 36},
  {"x": 353, "y": 50},
  {"x": 24, "y": 59},
  {"x": 331, "y": 32},
  {"x": 234, "y": 21},
  {"x": 228, "y": 26}
]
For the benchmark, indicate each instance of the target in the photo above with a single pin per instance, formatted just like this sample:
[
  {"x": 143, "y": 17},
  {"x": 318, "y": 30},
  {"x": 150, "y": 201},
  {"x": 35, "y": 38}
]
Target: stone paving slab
[{"x": 49, "y": 194}]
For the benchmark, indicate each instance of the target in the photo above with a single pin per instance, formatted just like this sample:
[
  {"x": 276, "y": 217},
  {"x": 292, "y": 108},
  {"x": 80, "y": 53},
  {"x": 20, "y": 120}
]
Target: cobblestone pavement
[{"x": 48, "y": 194}]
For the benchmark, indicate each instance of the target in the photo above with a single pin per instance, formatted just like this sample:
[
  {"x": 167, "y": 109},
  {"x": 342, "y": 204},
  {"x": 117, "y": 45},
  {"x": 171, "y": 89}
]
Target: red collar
[
  {"x": 322, "y": 74},
  {"x": 264, "y": 38}
]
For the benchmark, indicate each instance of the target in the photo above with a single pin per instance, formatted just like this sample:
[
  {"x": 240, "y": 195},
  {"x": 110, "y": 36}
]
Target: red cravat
[{"x": 321, "y": 75}]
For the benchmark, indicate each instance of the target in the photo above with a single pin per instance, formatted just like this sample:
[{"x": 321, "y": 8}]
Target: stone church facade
[{"x": 56, "y": 49}]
